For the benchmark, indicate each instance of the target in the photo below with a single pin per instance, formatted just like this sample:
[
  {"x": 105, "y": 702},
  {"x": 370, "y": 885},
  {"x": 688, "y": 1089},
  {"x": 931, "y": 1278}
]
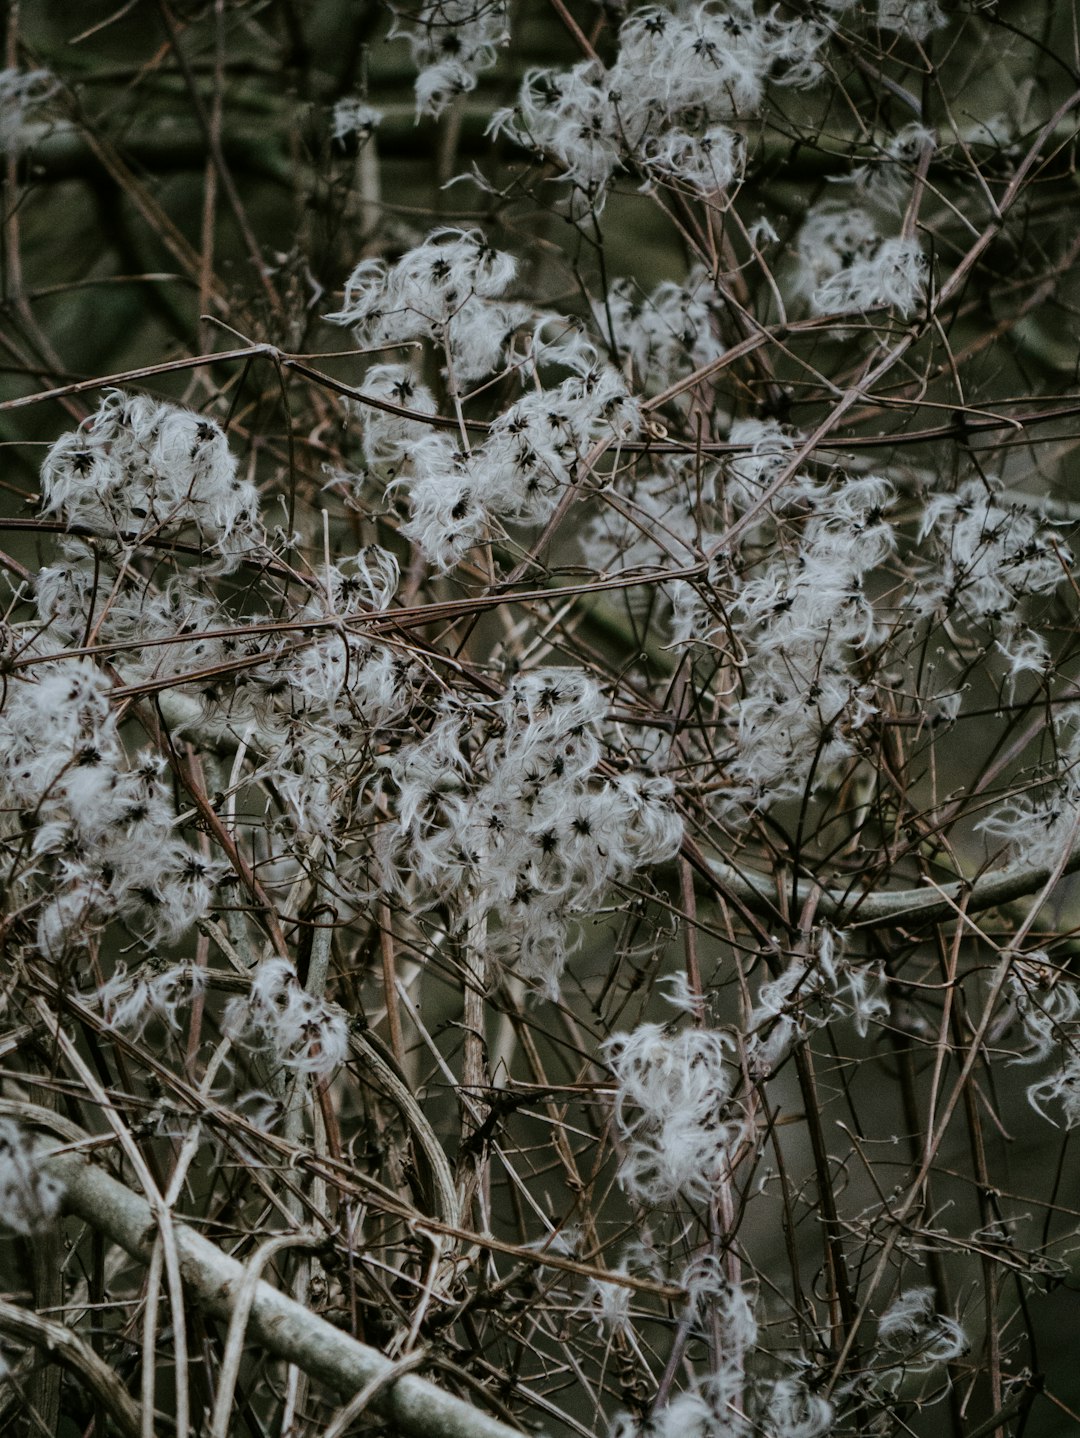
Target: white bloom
[
  {"x": 673, "y": 1110},
  {"x": 354, "y": 117},
  {"x": 866, "y": 993},
  {"x": 359, "y": 582},
  {"x": 1025, "y": 652},
  {"x": 713, "y": 1298},
  {"x": 451, "y": 42},
  {"x": 387, "y": 437},
  {"x": 801, "y": 619},
  {"x": 706, "y": 163},
  {"x": 532, "y": 448},
  {"x": 20, "y": 92},
  {"x": 142, "y": 464},
  {"x": 503, "y": 814},
  {"x": 668, "y": 332},
  {"x": 298, "y": 1029},
  {"x": 917, "y": 19},
  {"x": 608, "y": 1304},
  {"x": 790, "y": 1410},
  {"x": 1037, "y": 829},
  {"x": 812, "y": 990},
  {"x": 664, "y": 103},
  {"x": 1048, "y": 1005},
  {"x": 30, "y": 1197},
  {"x": 155, "y": 990},
  {"x": 1061, "y": 1087},
  {"x": 751, "y": 474},
  {"x": 911, "y": 1333},
  {"x": 833, "y": 236},
  {"x": 894, "y": 275},
  {"x": 571, "y": 117},
  {"x": 993, "y": 555},
  {"x": 446, "y": 497},
  {"x": 885, "y": 183},
  {"x": 425, "y": 289}
]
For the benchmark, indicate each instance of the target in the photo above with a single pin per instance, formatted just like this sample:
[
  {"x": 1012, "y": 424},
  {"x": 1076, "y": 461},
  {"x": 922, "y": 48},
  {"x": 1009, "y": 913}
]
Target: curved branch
[
  {"x": 282, "y": 1326},
  {"x": 879, "y": 907},
  {"x": 66, "y": 1347}
]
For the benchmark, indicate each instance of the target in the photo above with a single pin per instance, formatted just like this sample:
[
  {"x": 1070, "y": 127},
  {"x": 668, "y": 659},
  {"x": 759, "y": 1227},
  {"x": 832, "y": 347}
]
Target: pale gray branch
[
  {"x": 278, "y": 1323},
  {"x": 858, "y": 909},
  {"x": 66, "y": 1347}
]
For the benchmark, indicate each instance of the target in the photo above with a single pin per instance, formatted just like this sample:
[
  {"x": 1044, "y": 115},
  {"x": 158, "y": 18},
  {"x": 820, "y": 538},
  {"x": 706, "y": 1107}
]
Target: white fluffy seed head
[{"x": 30, "y": 1197}]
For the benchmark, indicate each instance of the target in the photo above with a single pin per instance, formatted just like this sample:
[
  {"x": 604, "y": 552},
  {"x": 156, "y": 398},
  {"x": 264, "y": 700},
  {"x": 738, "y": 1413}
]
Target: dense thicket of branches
[{"x": 539, "y": 720}]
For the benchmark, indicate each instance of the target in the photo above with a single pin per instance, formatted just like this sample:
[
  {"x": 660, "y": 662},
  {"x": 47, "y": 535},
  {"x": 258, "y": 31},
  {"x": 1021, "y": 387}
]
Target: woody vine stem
[{"x": 539, "y": 719}]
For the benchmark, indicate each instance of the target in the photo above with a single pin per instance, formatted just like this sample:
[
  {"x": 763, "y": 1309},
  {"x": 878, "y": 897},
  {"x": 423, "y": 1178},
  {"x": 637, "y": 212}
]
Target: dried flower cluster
[{"x": 539, "y": 722}]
